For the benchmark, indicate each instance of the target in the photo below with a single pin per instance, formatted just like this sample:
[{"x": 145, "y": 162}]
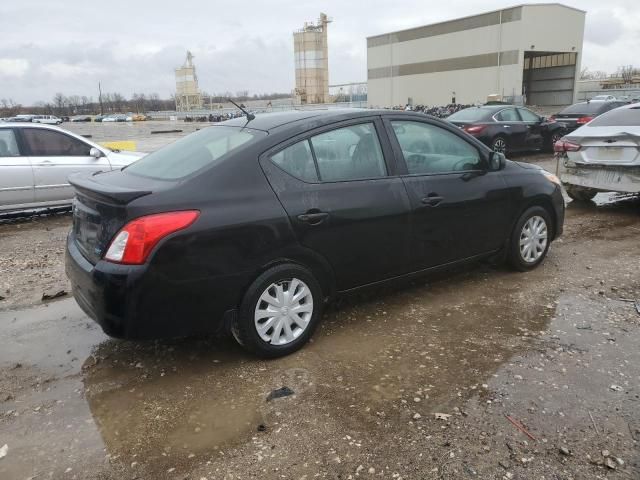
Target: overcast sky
[{"x": 133, "y": 46}]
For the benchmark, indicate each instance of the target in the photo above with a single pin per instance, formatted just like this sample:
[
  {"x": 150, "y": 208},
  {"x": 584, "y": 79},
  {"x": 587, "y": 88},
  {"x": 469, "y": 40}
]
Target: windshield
[
  {"x": 469, "y": 115},
  {"x": 620, "y": 117},
  {"x": 194, "y": 152}
]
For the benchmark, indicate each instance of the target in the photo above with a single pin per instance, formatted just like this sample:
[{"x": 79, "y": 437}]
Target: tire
[
  {"x": 580, "y": 194},
  {"x": 283, "y": 335},
  {"x": 520, "y": 257},
  {"x": 499, "y": 144},
  {"x": 551, "y": 141}
]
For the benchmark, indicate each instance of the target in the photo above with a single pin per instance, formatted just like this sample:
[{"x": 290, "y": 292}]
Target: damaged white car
[{"x": 602, "y": 156}]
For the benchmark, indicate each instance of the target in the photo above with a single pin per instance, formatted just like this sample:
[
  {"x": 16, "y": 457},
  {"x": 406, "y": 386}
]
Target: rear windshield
[
  {"x": 469, "y": 115},
  {"x": 194, "y": 152},
  {"x": 622, "y": 117},
  {"x": 584, "y": 108}
]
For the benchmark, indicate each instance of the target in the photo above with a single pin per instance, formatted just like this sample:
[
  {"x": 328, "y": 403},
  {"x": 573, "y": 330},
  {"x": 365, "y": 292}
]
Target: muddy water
[{"x": 170, "y": 404}]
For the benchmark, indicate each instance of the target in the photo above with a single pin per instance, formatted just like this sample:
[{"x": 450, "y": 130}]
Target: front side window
[
  {"x": 297, "y": 160},
  {"x": 201, "y": 149},
  {"x": 8, "y": 144},
  {"x": 508, "y": 115},
  {"x": 47, "y": 143},
  {"x": 349, "y": 153},
  {"x": 429, "y": 149},
  {"x": 528, "y": 115}
]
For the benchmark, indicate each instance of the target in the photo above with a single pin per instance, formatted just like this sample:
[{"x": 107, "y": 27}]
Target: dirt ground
[{"x": 479, "y": 373}]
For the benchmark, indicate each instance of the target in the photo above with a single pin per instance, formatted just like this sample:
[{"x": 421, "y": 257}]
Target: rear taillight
[
  {"x": 562, "y": 146},
  {"x": 474, "y": 129},
  {"x": 583, "y": 120},
  {"x": 134, "y": 242}
]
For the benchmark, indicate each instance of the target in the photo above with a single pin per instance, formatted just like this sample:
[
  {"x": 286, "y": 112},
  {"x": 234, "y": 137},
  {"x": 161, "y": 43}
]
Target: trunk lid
[
  {"x": 606, "y": 146},
  {"x": 100, "y": 210}
]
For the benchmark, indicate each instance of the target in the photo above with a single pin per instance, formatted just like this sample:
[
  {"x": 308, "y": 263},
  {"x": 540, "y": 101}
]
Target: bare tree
[
  {"x": 626, "y": 72},
  {"x": 60, "y": 102}
]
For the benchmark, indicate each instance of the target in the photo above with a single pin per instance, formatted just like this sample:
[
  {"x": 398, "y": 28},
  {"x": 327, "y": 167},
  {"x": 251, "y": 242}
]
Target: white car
[
  {"x": 603, "y": 155},
  {"x": 36, "y": 160},
  {"x": 48, "y": 119}
]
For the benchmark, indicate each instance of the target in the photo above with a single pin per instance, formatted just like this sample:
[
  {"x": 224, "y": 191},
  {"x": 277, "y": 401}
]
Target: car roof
[
  {"x": 30, "y": 125},
  {"x": 274, "y": 120}
]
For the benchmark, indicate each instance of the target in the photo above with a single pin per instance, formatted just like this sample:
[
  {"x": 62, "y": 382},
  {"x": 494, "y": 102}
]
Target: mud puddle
[{"x": 153, "y": 407}]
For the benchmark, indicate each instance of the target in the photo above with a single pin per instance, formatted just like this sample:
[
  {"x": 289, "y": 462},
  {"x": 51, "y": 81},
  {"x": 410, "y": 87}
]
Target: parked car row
[
  {"x": 36, "y": 160},
  {"x": 53, "y": 120}
]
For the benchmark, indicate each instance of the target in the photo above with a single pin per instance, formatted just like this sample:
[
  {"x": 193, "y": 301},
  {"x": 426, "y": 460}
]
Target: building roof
[{"x": 513, "y": 7}]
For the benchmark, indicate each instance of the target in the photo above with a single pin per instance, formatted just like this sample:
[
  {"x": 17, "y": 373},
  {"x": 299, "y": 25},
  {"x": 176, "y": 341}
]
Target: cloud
[
  {"x": 237, "y": 45},
  {"x": 13, "y": 67},
  {"x": 603, "y": 28}
]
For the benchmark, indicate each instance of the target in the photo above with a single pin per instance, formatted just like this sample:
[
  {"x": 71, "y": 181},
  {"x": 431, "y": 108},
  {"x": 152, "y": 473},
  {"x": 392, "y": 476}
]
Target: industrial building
[
  {"x": 312, "y": 62},
  {"x": 188, "y": 96},
  {"x": 526, "y": 54}
]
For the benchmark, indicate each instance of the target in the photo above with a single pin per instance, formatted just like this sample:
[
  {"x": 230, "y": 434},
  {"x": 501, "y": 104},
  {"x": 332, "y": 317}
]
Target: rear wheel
[
  {"x": 552, "y": 139},
  {"x": 580, "y": 194},
  {"x": 499, "y": 144},
  {"x": 279, "y": 312},
  {"x": 530, "y": 239}
]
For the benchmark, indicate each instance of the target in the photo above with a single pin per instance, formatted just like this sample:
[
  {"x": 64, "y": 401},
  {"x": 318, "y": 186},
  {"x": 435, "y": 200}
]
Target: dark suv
[{"x": 255, "y": 225}]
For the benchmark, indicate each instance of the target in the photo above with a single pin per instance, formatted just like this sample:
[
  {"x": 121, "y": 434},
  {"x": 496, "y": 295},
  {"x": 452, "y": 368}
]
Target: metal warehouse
[{"x": 528, "y": 53}]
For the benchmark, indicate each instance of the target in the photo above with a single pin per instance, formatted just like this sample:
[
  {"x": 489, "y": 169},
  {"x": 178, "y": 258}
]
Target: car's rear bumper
[
  {"x": 604, "y": 178},
  {"x": 137, "y": 302}
]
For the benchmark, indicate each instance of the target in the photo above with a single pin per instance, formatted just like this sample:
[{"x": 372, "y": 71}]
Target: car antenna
[{"x": 250, "y": 116}]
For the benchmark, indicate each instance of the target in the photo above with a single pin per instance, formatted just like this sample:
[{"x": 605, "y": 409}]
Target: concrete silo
[
  {"x": 312, "y": 62},
  {"x": 188, "y": 96}
]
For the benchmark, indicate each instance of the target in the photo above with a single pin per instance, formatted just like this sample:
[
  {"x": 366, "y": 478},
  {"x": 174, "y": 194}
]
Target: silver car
[
  {"x": 603, "y": 155},
  {"x": 36, "y": 160}
]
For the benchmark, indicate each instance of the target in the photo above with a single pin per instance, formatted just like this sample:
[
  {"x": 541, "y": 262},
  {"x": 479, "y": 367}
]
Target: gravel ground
[{"x": 478, "y": 373}]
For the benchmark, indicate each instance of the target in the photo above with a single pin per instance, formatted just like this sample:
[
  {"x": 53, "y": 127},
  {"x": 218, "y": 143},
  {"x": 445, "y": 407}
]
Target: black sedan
[
  {"x": 508, "y": 129},
  {"x": 254, "y": 225},
  {"x": 579, "y": 114}
]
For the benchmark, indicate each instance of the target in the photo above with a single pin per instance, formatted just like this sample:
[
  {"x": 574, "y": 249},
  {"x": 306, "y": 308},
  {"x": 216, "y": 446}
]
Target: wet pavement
[{"x": 414, "y": 381}]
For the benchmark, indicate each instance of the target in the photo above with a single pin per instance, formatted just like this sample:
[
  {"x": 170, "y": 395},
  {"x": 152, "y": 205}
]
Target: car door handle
[
  {"x": 45, "y": 163},
  {"x": 507, "y": 126},
  {"x": 432, "y": 200},
  {"x": 313, "y": 218}
]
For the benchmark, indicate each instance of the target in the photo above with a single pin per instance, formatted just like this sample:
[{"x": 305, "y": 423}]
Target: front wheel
[
  {"x": 279, "y": 312},
  {"x": 530, "y": 239},
  {"x": 552, "y": 139}
]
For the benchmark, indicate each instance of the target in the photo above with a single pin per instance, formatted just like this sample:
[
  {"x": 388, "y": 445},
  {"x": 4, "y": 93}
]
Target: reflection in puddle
[{"x": 422, "y": 349}]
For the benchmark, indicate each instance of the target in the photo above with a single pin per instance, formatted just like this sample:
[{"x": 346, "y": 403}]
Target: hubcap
[
  {"x": 499, "y": 146},
  {"x": 533, "y": 239},
  {"x": 283, "y": 311}
]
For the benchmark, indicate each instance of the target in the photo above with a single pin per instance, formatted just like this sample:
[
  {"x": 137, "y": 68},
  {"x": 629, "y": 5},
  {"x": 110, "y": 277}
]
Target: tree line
[{"x": 63, "y": 105}]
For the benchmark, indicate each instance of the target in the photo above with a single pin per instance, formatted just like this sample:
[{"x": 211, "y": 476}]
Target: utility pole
[{"x": 100, "y": 98}]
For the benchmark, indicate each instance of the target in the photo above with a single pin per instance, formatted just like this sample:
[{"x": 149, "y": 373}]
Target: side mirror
[
  {"x": 95, "y": 153},
  {"x": 497, "y": 161},
  {"x": 543, "y": 119}
]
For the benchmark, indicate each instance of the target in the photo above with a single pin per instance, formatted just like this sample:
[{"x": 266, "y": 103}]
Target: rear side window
[
  {"x": 528, "y": 116},
  {"x": 349, "y": 153},
  {"x": 622, "y": 117},
  {"x": 46, "y": 143},
  {"x": 508, "y": 115},
  {"x": 194, "y": 152},
  {"x": 429, "y": 149},
  {"x": 297, "y": 160},
  {"x": 8, "y": 144}
]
